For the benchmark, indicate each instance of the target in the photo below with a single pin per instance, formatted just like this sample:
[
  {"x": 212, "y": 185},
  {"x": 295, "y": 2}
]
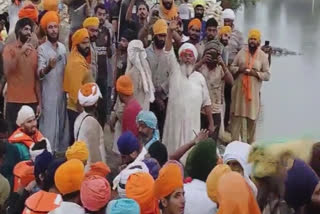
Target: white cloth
[
  {"x": 197, "y": 200},
  {"x": 92, "y": 98},
  {"x": 25, "y": 113},
  {"x": 139, "y": 70},
  {"x": 189, "y": 46},
  {"x": 68, "y": 207},
  {"x": 187, "y": 96},
  {"x": 35, "y": 153},
  {"x": 184, "y": 11},
  {"x": 239, "y": 151},
  {"x": 228, "y": 14},
  {"x": 13, "y": 12}
]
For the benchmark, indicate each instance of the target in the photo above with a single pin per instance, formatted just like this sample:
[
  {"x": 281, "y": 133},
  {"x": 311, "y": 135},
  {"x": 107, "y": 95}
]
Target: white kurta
[{"x": 187, "y": 96}]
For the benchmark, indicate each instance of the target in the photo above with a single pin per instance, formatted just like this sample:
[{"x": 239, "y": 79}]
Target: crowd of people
[{"x": 180, "y": 93}]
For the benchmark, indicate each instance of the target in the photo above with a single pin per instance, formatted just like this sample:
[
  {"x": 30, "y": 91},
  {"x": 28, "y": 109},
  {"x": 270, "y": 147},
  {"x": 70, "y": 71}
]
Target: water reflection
[{"x": 290, "y": 100}]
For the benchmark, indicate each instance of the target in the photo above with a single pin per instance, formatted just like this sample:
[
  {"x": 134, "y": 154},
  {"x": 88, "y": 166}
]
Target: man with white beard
[{"x": 188, "y": 94}]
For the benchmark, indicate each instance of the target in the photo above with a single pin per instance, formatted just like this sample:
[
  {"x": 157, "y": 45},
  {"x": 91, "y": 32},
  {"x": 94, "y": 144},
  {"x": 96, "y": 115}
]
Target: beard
[
  {"x": 159, "y": 43},
  {"x": 167, "y": 5},
  {"x": 24, "y": 38},
  {"x": 186, "y": 69},
  {"x": 53, "y": 39},
  {"x": 253, "y": 47},
  {"x": 84, "y": 51},
  {"x": 198, "y": 16},
  {"x": 144, "y": 139},
  {"x": 93, "y": 38},
  {"x": 225, "y": 42}
]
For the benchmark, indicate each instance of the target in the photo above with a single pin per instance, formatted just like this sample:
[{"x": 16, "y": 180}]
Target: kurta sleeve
[
  {"x": 205, "y": 92},
  {"x": 264, "y": 74},
  {"x": 234, "y": 68}
]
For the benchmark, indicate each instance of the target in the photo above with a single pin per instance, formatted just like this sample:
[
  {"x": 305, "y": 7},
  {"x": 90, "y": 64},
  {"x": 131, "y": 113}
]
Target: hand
[
  {"x": 220, "y": 61},
  {"x": 39, "y": 110},
  {"x": 52, "y": 63},
  {"x": 112, "y": 124},
  {"x": 202, "y": 135},
  {"x": 211, "y": 129},
  {"x": 173, "y": 25},
  {"x": 26, "y": 48}
]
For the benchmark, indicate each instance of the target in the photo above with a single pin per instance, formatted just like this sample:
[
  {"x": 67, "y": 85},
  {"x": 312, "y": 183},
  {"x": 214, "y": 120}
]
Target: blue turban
[
  {"x": 150, "y": 119},
  {"x": 128, "y": 143},
  {"x": 153, "y": 167},
  {"x": 123, "y": 206},
  {"x": 42, "y": 162},
  {"x": 52, "y": 167}
]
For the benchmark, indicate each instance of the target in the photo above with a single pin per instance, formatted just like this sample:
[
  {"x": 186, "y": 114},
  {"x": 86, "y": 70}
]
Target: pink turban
[{"x": 95, "y": 193}]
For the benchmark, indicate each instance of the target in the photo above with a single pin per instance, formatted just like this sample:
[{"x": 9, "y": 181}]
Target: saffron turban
[
  {"x": 198, "y": 3},
  {"x": 128, "y": 143},
  {"x": 160, "y": 27},
  {"x": 24, "y": 114},
  {"x": 48, "y": 17},
  {"x": 188, "y": 47},
  {"x": 124, "y": 85},
  {"x": 95, "y": 193},
  {"x": 91, "y": 22},
  {"x": 213, "y": 180},
  {"x": 169, "y": 179},
  {"x": 228, "y": 14},
  {"x": 42, "y": 162},
  {"x": 69, "y": 176},
  {"x": 79, "y": 36},
  {"x": 254, "y": 34},
  {"x": 225, "y": 30},
  {"x": 202, "y": 159},
  {"x": 149, "y": 118},
  {"x": 195, "y": 23},
  {"x": 50, "y": 5},
  {"x": 89, "y": 94},
  {"x": 123, "y": 206},
  {"x": 24, "y": 174},
  {"x": 42, "y": 202},
  {"x": 78, "y": 150},
  {"x": 139, "y": 187},
  {"x": 98, "y": 168},
  {"x": 29, "y": 11}
]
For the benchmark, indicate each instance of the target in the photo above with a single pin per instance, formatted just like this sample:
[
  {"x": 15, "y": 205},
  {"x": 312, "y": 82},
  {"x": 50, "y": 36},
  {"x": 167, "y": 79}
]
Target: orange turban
[
  {"x": 29, "y": 11},
  {"x": 225, "y": 30},
  {"x": 235, "y": 195},
  {"x": 23, "y": 174},
  {"x": 213, "y": 180},
  {"x": 79, "y": 36},
  {"x": 91, "y": 22},
  {"x": 98, "y": 168},
  {"x": 194, "y": 23},
  {"x": 169, "y": 179},
  {"x": 50, "y": 5},
  {"x": 124, "y": 85},
  {"x": 160, "y": 27},
  {"x": 78, "y": 150},
  {"x": 48, "y": 17},
  {"x": 69, "y": 176},
  {"x": 139, "y": 187},
  {"x": 254, "y": 34}
]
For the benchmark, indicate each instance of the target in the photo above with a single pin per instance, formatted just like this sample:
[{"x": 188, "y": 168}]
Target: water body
[{"x": 290, "y": 100}]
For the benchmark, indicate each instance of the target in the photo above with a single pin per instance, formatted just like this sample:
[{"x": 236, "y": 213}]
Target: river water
[{"x": 290, "y": 100}]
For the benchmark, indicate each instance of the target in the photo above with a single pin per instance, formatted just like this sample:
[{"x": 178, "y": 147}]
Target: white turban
[
  {"x": 25, "y": 113},
  {"x": 89, "y": 94},
  {"x": 188, "y": 46},
  {"x": 228, "y": 14}
]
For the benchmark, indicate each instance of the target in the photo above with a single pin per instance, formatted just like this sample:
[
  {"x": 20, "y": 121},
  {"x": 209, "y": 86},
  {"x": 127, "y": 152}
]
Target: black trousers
[
  {"x": 160, "y": 114},
  {"x": 72, "y": 115},
  {"x": 12, "y": 110},
  {"x": 102, "y": 108},
  {"x": 227, "y": 97},
  {"x": 216, "y": 121}
]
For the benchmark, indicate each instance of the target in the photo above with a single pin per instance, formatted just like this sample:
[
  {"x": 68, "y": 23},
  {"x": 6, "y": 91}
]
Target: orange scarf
[
  {"x": 246, "y": 81},
  {"x": 169, "y": 14}
]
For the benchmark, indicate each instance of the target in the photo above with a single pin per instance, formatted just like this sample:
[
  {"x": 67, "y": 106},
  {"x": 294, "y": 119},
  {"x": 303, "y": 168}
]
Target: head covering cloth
[
  {"x": 89, "y": 94},
  {"x": 123, "y": 206},
  {"x": 128, "y": 143},
  {"x": 50, "y": 5},
  {"x": 24, "y": 114},
  {"x": 124, "y": 85},
  {"x": 215, "y": 45},
  {"x": 195, "y": 23},
  {"x": 91, "y": 22},
  {"x": 49, "y": 17},
  {"x": 254, "y": 34},
  {"x": 171, "y": 13},
  {"x": 78, "y": 150},
  {"x": 188, "y": 47},
  {"x": 225, "y": 30},
  {"x": 150, "y": 120},
  {"x": 160, "y": 27},
  {"x": 228, "y": 14},
  {"x": 79, "y": 36},
  {"x": 98, "y": 168},
  {"x": 29, "y": 11}
]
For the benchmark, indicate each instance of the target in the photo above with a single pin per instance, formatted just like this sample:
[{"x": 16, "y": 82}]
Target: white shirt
[
  {"x": 197, "y": 200},
  {"x": 68, "y": 207}
]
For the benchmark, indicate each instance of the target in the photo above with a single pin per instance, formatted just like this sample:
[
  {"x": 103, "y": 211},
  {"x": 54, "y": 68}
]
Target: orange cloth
[
  {"x": 124, "y": 85},
  {"x": 29, "y": 11},
  {"x": 50, "y": 5},
  {"x": 139, "y": 187},
  {"x": 69, "y": 176},
  {"x": 78, "y": 150},
  {"x": 246, "y": 81},
  {"x": 170, "y": 178},
  {"x": 20, "y": 137},
  {"x": 48, "y": 17},
  {"x": 213, "y": 180},
  {"x": 42, "y": 202},
  {"x": 195, "y": 23},
  {"x": 91, "y": 22},
  {"x": 235, "y": 195},
  {"x": 160, "y": 27},
  {"x": 23, "y": 174},
  {"x": 225, "y": 30},
  {"x": 98, "y": 168},
  {"x": 169, "y": 14},
  {"x": 79, "y": 36},
  {"x": 254, "y": 34}
]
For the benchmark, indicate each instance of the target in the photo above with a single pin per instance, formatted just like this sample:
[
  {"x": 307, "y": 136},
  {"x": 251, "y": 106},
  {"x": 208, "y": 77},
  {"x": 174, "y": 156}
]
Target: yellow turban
[
  {"x": 160, "y": 27},
  {"x": 225, "y": 30},
  {"x": 195, "y": 22},
  {"x": 254, "y": 34},
  {"x": 50, "y": 16},
  {"x": 91, "y": 22},
  {"x": 198, "y": 3},
  {"x": 213, "y": 180},
  {"x": 79, "y": 36},
  {"x": 124, "y": 85},
  {"x": 78, "y": 151},
  {"x": 69, "y": 176},
  {"x": 50, "y": 5}
]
